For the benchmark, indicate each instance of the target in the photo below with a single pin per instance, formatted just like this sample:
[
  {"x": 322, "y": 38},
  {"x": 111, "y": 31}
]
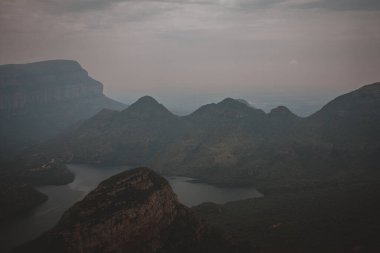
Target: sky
[{"x": 185, "y": 53}]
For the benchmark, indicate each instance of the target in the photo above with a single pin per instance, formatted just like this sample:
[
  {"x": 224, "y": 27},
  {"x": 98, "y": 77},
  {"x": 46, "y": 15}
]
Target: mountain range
[{"x": 231, "y": 143}]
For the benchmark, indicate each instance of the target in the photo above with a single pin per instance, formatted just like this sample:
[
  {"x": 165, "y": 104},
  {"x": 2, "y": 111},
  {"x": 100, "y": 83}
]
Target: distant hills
[
  {"x": 231, "y": 143},
  {"x": 39, "y": 100}
]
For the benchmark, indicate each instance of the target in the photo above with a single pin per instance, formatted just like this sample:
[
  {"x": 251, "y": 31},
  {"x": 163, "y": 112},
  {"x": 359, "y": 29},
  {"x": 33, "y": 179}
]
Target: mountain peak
[
  {"x": 147, "y": 99},
  {"x": 282, "y": 111},
  {"x": 227, "y": 108},
  {"x": 147, "y": 105},
  {"x": 232, "y": 102}
]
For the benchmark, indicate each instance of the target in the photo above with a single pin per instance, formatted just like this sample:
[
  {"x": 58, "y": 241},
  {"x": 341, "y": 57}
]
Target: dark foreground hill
[
  {"x": 330, "y": 218},
  {"x": 39, "y": 100},
  {"x": 16, "y": 198},
  {"x": 232, "y": 143},
  {"x": 137, "y": 212}
]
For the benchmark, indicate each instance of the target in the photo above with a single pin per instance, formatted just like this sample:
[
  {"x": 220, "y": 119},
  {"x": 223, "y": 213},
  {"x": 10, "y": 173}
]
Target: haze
[{"x": 299, "y": 53}]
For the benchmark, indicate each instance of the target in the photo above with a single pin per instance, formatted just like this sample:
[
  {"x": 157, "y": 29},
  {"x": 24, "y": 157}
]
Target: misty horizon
[
  {"x": 297, "y": 53},
  {"x": 181, "y": 104}
]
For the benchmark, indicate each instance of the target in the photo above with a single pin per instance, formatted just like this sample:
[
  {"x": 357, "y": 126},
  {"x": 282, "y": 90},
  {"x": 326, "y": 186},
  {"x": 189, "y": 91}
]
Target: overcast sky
[{"x": 187, "y": 52}]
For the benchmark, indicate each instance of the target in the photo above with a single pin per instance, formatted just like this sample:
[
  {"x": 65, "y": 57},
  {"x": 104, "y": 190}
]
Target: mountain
[
  {"x": 147, "y": 107},
  {"x": 245, "y": 102},
  {"x": 282, "y": 113},
  {"x": 134, "y": 211},
  {"x": 353, "y": 117},
  {"x": 212, "y": 143},
  {"x": 39, "y": 100},
  {"x": 130, "y": 136},
  {"x": 231, "y": 143},
  {"x": 213, "y": 140}
]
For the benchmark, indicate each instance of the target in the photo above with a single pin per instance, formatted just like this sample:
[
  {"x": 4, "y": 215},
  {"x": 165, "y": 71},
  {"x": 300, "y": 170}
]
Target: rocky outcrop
[
  {"x": 39, "y": 100},
  {"x": 18, "y": 198},
  {"x": 134, "y": 211},
  {"x": 42, "y": 83}
]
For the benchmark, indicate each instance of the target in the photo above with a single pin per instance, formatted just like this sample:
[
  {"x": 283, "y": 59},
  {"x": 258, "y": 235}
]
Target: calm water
[
  {"x": 28, "y": 226},
  {"x": 192, "y": 193}
]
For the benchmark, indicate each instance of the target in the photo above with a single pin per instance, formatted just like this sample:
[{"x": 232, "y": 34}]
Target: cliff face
[
  {"x": 39, "y": 100},
  {"x": 134, "y": 211},
  {"x": 40, "y": 83}
]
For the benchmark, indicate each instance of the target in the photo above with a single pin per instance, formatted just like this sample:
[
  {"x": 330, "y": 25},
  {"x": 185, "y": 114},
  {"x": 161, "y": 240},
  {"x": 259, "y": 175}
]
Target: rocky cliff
[
  {"x": 134, "y": 211},
  {"x": 48, "y": 82},
  {"x": 39, "y": 100}
]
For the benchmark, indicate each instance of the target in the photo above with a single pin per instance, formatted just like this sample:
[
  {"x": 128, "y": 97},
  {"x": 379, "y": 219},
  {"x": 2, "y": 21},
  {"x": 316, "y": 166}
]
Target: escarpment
[
  {"x": 48, "y": 82},
  {"x": 39, "y": 100}
]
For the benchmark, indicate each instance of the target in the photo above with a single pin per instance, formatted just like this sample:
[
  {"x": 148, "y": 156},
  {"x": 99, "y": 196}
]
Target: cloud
[
  {"x": 342, "y": 5},
  {"x": 72, "y": 6},
  {"x": 79, "y": 6},
  {"x": 82, "y": 5},
  {"x": 250, "y": 5},
  {"x": 94, "y": 5}
]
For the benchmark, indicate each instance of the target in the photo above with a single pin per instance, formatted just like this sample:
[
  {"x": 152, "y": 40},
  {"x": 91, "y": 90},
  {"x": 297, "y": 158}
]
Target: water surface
[{"x": 192, "y": 193}]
